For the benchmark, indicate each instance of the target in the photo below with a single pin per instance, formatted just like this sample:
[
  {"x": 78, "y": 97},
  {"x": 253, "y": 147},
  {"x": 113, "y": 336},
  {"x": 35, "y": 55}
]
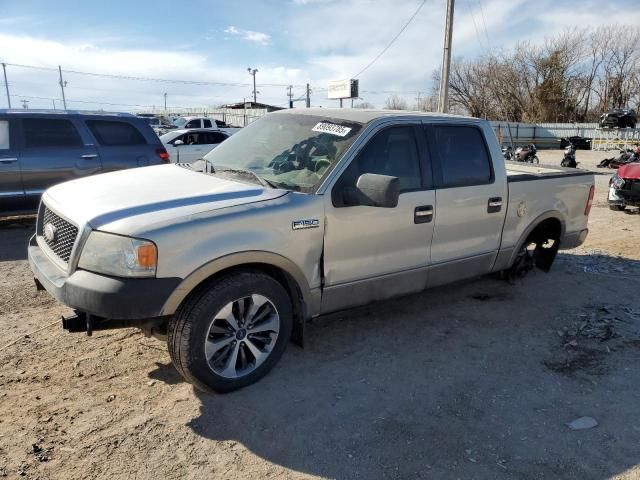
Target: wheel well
[
  {"x": 548, "y": 228},
  {"x": 281, "y": 276}
]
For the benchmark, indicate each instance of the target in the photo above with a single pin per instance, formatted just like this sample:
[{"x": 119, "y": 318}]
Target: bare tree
[
  {"x": 395, "y": 102},
  {"x": 364, "y": 105}
]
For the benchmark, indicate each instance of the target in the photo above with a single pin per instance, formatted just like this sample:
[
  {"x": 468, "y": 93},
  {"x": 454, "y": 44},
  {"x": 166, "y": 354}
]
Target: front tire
[
  {"x": 617, "y": 208},
  {"x": 231, "y": 332}
]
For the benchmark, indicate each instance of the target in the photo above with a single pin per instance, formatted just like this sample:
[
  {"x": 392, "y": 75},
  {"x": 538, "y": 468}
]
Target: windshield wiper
[{"x": 262, "y": 181}]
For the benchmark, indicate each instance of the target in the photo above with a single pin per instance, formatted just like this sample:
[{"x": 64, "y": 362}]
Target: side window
[
  {"x": 213, "y": 138},
  {"x": 45, "y": 132},
  {"x": 4, "y": 135},
  {"x": 194, "y": 138},
  {"x": 111, "y": 134},
  {"x": 206, "y": 123},
  {"x": 193, "y": 124},
  {"x": 391, "y": 152},
  {"x": 463, "y": 155}
]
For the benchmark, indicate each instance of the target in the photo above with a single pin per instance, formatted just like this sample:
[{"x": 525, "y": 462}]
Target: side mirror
[
  {"x": 373, "y": 190},
  {"x": 177, "y": 143}
]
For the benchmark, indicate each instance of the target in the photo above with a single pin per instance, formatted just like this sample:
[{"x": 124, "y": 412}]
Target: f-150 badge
[{"x": 309, "y": 223}]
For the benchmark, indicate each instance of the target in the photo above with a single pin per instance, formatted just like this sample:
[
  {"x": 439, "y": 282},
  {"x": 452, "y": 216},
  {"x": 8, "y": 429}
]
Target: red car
[{"x": 624, "y": 187}]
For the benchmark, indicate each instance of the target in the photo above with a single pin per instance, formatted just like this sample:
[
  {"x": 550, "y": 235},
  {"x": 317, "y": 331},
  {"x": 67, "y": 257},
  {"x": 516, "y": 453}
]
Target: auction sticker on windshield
[{"x": 332, "y": 128}]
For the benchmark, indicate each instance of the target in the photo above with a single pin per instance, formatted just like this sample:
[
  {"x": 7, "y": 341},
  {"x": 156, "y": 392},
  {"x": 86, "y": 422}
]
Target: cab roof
[{"x": 364, "y": 115}]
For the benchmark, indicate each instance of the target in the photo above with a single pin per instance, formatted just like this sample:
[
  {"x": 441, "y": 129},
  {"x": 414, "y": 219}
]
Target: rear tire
[{"x": 231, "y": 332}]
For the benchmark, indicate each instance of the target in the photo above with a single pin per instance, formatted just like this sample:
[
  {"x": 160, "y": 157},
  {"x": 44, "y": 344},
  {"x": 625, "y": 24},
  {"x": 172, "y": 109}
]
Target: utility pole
[
  {"x": 308, "y": 96},
  {"x": 25, "y": 104},
  {"x": 6, "y": 84},
  {"x": 443, "y": 104},
  {"x": 165, "y": 102},
  {"x": 290, "y": 95},
  {"x": 253, "y": 71},
  {"x": 62, "y": 85}
]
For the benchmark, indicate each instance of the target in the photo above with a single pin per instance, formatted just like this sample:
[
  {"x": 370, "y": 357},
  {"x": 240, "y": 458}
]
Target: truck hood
[
  {"x": 148, "y": 195},
  {"x": 630, "y": 171}
]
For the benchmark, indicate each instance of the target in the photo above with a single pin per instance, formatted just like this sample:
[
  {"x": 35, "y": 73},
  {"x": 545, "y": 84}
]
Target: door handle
[
  {"x": 8, "y": 160},
  {"x": 88, "y": 155},
  {"x": 494, "y": 205},
  {"x": 423, "y": 214}
]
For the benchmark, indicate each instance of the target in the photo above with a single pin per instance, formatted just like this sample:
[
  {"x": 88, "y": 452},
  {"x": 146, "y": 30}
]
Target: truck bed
[{"x": 521, "y": 172}]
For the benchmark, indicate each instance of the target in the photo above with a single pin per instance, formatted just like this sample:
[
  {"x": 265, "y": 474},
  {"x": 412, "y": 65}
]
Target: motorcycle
[
  {"x": 626, "y": 156},
  {"x": 507, "y": 153},
  {"x": 527, "y": 154},
  {"x": 569, "y": 159}
]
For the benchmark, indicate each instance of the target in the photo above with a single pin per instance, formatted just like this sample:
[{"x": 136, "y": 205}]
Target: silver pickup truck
[{"x": 302, "y": 213}]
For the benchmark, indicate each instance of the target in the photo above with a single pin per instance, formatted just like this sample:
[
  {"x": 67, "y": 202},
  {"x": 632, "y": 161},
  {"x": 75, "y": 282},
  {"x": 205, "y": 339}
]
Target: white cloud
[{"x": 249, "y": 35}]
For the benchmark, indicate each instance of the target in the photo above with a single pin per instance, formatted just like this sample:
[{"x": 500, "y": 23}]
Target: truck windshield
[
  {"x": 293, "y": 151},
  {"x": 180, "y": 121}
]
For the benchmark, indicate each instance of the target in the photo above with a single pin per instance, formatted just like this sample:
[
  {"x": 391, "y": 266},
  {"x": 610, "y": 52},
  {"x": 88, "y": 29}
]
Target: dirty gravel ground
[{"x": 476, "y": 380}]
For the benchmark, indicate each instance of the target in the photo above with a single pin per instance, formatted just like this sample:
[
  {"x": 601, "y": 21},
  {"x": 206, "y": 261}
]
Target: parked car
[
  {"x": 580, "y": 143},
  {"x": 39, "y": 148},
  {"x": 618, "y": 118},
  {"x": 204, "y": 122},
  {"x": 624, "y": 187},
  {"x": 298, "y": 215},
  {"x": 186, "y": 146}
]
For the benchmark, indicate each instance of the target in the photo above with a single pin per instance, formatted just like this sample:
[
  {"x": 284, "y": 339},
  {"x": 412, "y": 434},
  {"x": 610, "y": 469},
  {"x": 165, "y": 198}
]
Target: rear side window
[
  {"x": 464, "y": 159},
  {"x": 111, "y": 134},
  {"x": 207, "y": 123},
  {"x": 4, "y": 135},
  {"x": 214, "y": 137},
  {"x": 45, "y": 132}
]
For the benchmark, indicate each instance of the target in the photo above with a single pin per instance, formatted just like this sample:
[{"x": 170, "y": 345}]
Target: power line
[
  {"x": 151, "y": 79},
  {"x": 392, "y": 40},
  {"x": 484, "y": 23},
  {"x": 475, "y": 27}
]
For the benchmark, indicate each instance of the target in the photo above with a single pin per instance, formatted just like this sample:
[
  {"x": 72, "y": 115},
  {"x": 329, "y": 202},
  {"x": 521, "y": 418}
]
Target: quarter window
[
  {"x": 392, "y": 152},
  {"x": 463, "y": 156},
  {"x": 112, "y": 134},
  {"x": 45, "y": 132}
]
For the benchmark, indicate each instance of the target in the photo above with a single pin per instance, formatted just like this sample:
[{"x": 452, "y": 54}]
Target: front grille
[{"x": 64, "y": 236}]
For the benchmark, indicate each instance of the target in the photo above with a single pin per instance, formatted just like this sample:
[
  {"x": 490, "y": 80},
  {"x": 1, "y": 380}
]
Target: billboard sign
[{"x": 343, "y": 89}]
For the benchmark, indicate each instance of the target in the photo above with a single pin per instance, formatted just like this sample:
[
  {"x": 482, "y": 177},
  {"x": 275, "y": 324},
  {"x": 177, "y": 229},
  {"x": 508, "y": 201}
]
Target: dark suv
[
  {"x": 39, "y": 148},
  {"x": 618, "y": 118}
]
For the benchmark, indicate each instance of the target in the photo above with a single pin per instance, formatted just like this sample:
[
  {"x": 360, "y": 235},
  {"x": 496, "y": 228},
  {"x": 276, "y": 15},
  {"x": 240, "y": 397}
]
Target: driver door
[{"x": 372, "y": 253}]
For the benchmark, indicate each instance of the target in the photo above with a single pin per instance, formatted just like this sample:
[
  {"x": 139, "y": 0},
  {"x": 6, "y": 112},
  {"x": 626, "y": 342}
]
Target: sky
[{"x": 289, "y": 42}]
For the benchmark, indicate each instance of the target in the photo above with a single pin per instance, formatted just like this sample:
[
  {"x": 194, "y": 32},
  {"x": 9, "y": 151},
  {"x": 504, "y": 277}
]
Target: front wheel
[
  {"x": 535, "y": 159},
  {"x": 232, "y": 332},
  {"x": 617, "y": 208}
]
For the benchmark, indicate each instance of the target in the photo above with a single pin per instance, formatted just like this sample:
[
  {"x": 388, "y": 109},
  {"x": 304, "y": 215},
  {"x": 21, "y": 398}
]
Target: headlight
[
  {"x": 119, "y": 256},
  {"x": 617, "y": 182}
]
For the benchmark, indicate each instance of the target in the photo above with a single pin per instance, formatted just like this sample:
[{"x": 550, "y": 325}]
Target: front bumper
[
  {"x": 101, "y": 295},
  {"x": 624, "y": 197}
]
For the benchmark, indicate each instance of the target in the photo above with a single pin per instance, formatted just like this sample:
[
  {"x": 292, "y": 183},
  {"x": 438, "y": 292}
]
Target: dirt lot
[{"x": 477, "y": 380}]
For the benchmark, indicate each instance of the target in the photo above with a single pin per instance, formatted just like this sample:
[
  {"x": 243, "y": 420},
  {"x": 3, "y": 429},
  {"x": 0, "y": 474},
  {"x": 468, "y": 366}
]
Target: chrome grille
[{"x": 65, "y": 234}]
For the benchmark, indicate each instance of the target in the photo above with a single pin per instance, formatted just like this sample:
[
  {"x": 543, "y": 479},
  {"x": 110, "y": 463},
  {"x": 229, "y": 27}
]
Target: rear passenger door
[
  {"x": 53, "y": 150},
  {"x": 11, "y": 191},
  {"x": 469, "y": 213},
  {"x": 121, "y": 144}
]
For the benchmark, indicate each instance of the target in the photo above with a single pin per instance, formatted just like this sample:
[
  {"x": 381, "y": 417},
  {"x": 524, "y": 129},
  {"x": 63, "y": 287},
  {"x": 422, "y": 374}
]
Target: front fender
[{"x": 311, "y": 297}]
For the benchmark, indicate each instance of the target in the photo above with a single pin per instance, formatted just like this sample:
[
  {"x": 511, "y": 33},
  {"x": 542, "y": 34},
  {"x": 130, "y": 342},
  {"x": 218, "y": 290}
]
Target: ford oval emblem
[{"x": 50, "y": 232}]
